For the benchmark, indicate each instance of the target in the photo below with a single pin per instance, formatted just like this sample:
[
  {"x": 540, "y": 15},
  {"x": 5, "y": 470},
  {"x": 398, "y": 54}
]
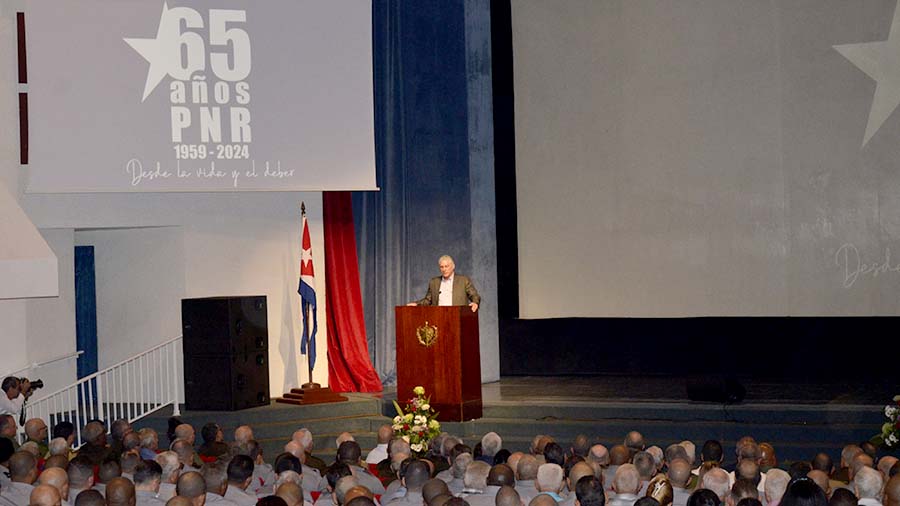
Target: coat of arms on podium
[{"x": 427, "y": 334}]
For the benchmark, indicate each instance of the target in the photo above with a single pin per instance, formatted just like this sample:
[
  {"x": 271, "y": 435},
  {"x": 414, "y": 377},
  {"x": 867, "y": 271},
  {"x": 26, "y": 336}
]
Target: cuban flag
[{"x": 307, "y": 293}]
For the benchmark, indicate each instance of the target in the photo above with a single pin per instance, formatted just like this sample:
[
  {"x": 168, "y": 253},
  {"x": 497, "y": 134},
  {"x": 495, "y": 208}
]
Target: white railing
[
  {"x": 37, "y": 365},
  {"x": 131, "y": 389}
]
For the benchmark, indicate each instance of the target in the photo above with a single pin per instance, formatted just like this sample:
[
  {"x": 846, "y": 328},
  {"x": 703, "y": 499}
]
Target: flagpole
[{"x": 305, "y": 318}]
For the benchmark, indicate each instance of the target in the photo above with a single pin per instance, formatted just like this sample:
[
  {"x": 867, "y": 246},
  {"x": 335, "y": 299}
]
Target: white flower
[
  {"x": 416, "y": 428},
  {"x": 397, "y": 419},
  {"x": 406, "y": 438},
  {"x": 415, "y": 447},
  {"x": 396, "y": 427},
  {"x": 425, "y": 407},
  {"x": 420, "y": 420},
  {"x": 893, "y": 439}
]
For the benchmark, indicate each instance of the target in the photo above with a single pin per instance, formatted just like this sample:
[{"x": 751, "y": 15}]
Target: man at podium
[{"x": 449, "y": 289}]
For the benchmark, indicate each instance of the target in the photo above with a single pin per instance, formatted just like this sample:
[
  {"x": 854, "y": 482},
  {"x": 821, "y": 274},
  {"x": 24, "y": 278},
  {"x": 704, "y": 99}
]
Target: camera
[{"x": 36, "y": 384}]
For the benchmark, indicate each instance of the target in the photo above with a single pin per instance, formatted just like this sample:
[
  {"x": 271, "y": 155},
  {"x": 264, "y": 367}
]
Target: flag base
[{"x": 310, "y": 393}]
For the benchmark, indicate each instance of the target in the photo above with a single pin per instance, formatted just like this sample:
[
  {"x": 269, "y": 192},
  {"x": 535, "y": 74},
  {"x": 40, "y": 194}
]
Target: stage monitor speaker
[
  {"x": 226, "y": 360},
  {"x": 715, "y": 388}
]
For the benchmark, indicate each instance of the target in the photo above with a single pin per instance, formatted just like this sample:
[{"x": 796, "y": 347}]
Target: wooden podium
[{"x": 438, "y": 348}]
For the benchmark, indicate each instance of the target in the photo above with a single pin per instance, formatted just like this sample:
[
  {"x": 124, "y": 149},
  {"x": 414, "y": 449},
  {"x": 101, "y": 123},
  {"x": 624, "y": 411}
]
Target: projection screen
[
  {"x": 206, "y": 95},
  {"x": 713, "y": 157}
]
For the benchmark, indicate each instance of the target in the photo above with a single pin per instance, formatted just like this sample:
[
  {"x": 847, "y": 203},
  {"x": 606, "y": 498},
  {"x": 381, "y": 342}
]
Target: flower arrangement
[
  {"x": 417, "y": 425},
  {"x": 890, "y": 431}
]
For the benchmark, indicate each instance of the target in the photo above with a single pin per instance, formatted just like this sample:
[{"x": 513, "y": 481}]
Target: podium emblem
[{"x": 427, "y": 334}]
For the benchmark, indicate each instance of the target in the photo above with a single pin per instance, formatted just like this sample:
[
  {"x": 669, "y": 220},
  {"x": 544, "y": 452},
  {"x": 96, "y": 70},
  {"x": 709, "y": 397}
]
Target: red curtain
[{"x": 349, "y": 367}]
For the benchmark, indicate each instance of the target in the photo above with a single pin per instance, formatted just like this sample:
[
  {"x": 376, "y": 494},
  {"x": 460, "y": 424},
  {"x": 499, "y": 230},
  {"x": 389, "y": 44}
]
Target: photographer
[{"x": 16, "y": 392}]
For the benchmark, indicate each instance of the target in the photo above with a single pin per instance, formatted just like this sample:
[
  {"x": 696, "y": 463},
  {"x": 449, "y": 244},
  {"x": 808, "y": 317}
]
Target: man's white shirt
[
  {"x": 445, "y": 298},
  {"x": 11, "y": 406}
]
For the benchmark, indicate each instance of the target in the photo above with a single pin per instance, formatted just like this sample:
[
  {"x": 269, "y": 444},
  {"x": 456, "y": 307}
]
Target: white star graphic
[
  {"x": 881, "y": 62},
  {"x": 306, "y": 255},
  {"x": 155, "y": 51}
]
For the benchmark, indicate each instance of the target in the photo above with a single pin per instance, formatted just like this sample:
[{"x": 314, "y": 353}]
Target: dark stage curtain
[
  {"x": 349, "y": 367},
  {"x": 422, "y": 163}
]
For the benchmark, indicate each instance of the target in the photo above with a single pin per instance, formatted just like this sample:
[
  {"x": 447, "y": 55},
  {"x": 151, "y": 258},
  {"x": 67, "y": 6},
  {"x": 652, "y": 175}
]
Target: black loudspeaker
[
  {"x": 226, "y": 353},
  {"x": 715, "y": 388}
]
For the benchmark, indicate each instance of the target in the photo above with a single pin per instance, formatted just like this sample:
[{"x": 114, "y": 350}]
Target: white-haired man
[
  {"x": 312, "y": 480},
  {"x": 490, "y": 445},
  {"x": 716, "y": 480},
  {"x": 149, "y": 443},
  {"x": 550, "y": 481},
  {"x": 475, "y": 478},
  {"x": 776, "y": 484},
  {"x": 868, "y": 485},
  {"x": 59, "y": 446},
  {"x": 171, "y": 469},
  {"x": 449, "y": 289},
  {"x": 243, "y": 434},
  {"x": 626, "y": 483},
  {"x": 305, "y": 438},
  {"x": 457, "y": 483}
]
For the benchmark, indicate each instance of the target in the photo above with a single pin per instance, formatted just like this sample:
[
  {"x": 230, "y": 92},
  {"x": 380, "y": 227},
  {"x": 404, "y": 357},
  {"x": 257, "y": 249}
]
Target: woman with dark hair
[
  {"x": 174, "y": 421},
  {"x": 703, "y": 497},
  {"x": 803, "y": 491}
]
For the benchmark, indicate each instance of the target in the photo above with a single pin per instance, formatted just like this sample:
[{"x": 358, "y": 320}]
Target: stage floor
[{"x": 541, "y": 389}]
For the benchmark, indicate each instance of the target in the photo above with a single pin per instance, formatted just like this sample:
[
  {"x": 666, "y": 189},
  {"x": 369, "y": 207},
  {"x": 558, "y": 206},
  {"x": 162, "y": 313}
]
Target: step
[{"x": 654, "y": 430}]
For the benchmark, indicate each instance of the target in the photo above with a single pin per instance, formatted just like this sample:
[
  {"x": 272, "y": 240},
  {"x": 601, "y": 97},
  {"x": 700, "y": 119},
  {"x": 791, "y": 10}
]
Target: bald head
[
  {"x": 120, "y": 492},
  {"x": 634, "y": 441},
  {"x": 57, "y": 478},
  {"x": 357, "y": 492},
  {"x": 513, "y": 461},
  {"x": 817, "y": 476},
  {"x": 507, "y": 496},
  {"x": 679, "y": 473},
  {"x": 542, "y": 500},
  {"x": 500, "y": 475},
  {"x": 291, "y": 493},
  {"x": 36, "y": 429},
  {"x": 45, "y": 495},
  {"x": 748, "y": 470},
  {"x": 859, "y": 461},
  {"x": 577, "y": 472},
  {"x": 90, "y": 498},
  {"x": 60, "y": 461},
  {"x": 190, "y": 485},
  {"x": 619, "y": 455},
  {"x": 23, "y": 467},
  {"x": 385, "y": 433},
  {"x": 178, "y": 500},
  {"x": 417, "y": 473},
  {"x": 433, "y": 488},
  {"x": 599, "y": 455},
  {"x": 892, "y": 491},
  {"x": 294, "y": 448},
  {"x": 186, "y": 432},
  {"x": 885, "y": 464}
]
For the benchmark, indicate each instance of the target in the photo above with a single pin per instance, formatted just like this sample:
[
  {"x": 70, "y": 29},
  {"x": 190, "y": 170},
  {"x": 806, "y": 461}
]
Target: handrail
[
  {"x": 129, "y": 389},
  {"x": 117, "y": 364},
  {"x": 35, "y": 365}
]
